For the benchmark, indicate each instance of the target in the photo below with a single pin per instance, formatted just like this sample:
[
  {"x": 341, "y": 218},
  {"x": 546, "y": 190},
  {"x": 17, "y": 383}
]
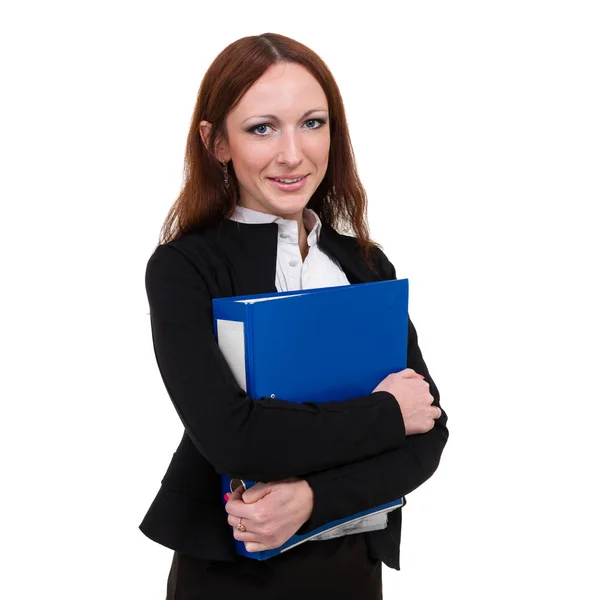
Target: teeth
[{"x": 288, "y": 180}]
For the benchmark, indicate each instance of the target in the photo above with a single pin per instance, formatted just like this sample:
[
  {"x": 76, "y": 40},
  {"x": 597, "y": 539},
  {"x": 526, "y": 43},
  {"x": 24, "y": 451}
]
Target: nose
[{"x": 289, "y": 151}]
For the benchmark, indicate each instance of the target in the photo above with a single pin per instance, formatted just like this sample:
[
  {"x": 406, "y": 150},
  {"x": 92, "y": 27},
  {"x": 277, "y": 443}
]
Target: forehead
[{"x": 284, "y": 89}]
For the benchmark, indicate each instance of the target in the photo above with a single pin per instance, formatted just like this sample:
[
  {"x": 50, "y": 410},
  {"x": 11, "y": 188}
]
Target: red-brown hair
[{"x": 340, "y": 200}]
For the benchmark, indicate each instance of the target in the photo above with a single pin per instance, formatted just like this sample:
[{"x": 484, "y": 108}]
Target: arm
[
  {"x": 281, "y": 506},
  {"x": 268, "y": 439},
  {"x": 348, "y": 489}
]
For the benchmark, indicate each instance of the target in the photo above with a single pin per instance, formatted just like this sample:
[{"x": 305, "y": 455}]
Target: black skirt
[{"x": 323, "y": 570}]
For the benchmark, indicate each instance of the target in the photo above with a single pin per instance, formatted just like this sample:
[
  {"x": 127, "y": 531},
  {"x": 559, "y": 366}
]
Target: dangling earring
[{"x": 225, "y": 174}]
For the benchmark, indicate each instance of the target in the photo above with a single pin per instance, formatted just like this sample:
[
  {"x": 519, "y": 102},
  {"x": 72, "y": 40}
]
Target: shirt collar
[{"x": 312, "y": 222}]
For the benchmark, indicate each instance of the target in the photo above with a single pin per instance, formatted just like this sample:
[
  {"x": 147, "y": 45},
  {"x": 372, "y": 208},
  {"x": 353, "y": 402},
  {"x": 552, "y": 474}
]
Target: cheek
[
  {"x": 251, "y": 162},
  {"x": 320, "y": 151}
]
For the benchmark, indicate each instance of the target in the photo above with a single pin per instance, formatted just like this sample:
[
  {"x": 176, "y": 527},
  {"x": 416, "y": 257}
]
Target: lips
[
  {"x": 288, "y": 177},
  {"x": 288, "y": 187}
]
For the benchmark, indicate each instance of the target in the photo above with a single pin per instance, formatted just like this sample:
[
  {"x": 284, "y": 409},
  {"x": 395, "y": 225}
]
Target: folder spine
[{"x": 250, "y": 354}]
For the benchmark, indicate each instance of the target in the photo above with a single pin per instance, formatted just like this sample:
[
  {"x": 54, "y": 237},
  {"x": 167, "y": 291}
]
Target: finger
[
  {"x": 237, "y": 507},
  {"x": 256, "y": 492},
  {"x": 437, "y": 412},
  {"x": 233, "y": 520},
  {"x": 250, "y": 542},
  {"x": 244, "y": 536},
  {"x": 407, "y": 373},
  {"x": 227, "y": 496},
  {"x": 410, "y": 373},
  {"x": 232, "y": 495},
  {"x": 255, "y": 547},
  {"x": 239, "y": 490}
]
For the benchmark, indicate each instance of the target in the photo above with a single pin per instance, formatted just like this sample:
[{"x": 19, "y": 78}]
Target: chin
[{"x": 288, "y": 208}]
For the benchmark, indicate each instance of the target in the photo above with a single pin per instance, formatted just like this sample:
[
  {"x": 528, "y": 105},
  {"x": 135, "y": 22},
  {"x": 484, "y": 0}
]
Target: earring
[{"x": 225, "y": 174}]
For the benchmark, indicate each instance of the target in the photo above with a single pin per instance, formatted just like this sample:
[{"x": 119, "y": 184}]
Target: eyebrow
[{"x": 275, "y": 118}]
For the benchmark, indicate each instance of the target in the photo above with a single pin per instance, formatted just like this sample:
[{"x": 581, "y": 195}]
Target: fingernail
[{"x": 226, "y": 497}]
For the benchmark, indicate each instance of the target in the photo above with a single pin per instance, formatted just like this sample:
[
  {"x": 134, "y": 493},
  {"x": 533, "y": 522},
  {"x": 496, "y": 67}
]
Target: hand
[
  {"x": 412, "y": 394},
  {"x": 271, "y": 512}
]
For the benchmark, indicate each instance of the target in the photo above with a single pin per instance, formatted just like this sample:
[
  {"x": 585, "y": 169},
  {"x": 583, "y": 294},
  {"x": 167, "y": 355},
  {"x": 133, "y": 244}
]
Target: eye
[
  {"x": 320, "y": 121},
  {"x": 260, "y": 132},
  {"x": 253, "y": 129}
]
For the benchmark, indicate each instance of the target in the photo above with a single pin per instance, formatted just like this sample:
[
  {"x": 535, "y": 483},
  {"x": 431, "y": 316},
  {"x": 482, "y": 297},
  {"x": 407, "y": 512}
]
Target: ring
[{"x": 239, "y": 525}]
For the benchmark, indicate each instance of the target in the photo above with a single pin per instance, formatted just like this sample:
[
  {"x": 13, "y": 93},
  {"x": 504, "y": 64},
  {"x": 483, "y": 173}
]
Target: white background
[{"x": 477, "y": 134}]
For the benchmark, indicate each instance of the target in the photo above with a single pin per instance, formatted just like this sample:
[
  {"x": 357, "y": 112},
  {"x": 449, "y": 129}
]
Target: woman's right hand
[{"x": 412, "y": 394}]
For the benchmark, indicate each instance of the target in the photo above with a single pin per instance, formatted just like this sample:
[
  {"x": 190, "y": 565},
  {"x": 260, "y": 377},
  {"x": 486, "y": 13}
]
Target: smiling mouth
[{"x": 287, "y": 179}]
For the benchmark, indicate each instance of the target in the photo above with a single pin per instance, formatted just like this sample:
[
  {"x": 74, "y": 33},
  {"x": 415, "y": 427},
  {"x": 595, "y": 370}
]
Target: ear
[{"x": 221, "y": 146}]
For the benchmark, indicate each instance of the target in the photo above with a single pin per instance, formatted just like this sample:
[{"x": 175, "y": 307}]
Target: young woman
[{"x": 270, "y": 186}]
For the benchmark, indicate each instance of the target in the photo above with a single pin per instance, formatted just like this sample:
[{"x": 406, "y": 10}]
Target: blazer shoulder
[
  {"x": 195, "y": 245},
  {"x": 192, "y": 254},
  {"x": 349, "y": 246},
  {"x": 383, "y": 264}
]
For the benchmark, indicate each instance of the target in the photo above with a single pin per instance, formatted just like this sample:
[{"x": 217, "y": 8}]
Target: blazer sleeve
[
  {"x": 265, "y": 440},
  {"x": 347, "y": 489}
]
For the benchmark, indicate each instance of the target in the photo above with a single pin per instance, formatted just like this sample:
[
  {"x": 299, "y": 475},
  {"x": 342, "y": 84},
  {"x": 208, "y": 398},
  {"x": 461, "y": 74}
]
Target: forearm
[
  {"x": 350, "y": 489},
  {"x": 260, "y": 440}
]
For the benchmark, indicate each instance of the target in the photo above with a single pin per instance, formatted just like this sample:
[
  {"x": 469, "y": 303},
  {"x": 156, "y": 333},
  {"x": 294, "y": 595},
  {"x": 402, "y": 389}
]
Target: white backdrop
[{"x": 476, "y": 130}]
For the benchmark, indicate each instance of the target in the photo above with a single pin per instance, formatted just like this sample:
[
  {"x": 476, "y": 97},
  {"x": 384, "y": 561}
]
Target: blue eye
[
  {"x": 321, "y": 121},
  {"x": 252, "y": 130},
  {"x": 262, "y": 133}
]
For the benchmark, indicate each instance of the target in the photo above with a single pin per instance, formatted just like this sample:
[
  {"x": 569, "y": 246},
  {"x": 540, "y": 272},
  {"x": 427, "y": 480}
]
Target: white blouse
[{"x": 317, "y": 270}]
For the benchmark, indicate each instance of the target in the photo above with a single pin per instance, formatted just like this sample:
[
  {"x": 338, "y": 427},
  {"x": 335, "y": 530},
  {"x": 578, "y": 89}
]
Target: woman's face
[{"x": 280, "y": 128}]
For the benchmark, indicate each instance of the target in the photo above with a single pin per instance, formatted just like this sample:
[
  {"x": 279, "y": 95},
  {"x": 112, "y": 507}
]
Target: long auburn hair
[{"x": 340, "y": 200}]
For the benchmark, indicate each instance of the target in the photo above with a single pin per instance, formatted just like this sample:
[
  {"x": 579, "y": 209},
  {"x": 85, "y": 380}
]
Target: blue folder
[{"x": 348, "y": 338}]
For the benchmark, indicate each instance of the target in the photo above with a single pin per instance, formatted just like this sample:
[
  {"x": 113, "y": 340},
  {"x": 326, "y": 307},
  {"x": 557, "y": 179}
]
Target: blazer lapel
[
  {"x": 347, "y": 252},
  {"x": 251, "y": 252}
]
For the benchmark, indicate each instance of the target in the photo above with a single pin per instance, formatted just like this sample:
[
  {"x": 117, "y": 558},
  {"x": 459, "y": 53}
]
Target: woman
[{"x": 270, "y": 175}]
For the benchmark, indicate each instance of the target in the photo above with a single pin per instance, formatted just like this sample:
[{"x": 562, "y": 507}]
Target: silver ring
[{"x": 239, "y": 525}]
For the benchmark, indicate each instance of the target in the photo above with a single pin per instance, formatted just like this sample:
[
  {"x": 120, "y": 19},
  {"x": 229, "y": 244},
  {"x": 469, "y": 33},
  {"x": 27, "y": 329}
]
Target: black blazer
[{"x": 354, "y": 454}]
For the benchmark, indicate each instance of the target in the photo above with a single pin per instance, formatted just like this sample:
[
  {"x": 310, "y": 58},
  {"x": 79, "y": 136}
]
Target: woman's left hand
[{"x": 271, "y": 512}]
